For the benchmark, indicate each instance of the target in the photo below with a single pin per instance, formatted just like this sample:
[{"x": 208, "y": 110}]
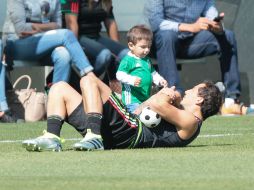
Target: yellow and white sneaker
[{"x": 46, "y": 142}]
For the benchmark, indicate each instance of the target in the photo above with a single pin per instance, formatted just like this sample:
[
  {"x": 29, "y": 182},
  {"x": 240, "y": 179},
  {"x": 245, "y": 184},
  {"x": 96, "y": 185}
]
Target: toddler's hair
[{"x": 139, "y": 32}]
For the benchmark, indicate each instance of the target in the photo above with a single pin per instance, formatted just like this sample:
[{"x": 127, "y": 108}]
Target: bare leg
[
  {"x": 94, "y": 92},
  {"x": 62, "y": 100}
]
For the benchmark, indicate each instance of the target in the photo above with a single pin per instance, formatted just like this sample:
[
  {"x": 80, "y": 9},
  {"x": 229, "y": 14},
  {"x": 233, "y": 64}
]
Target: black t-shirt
[
  {"x": 163, "y": 135},
  {"x": 89, "y": 19}
]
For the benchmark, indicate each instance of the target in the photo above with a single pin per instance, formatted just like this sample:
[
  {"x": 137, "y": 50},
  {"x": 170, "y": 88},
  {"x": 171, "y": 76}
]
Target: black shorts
[
  {"x": 77, "y": 119},
  {"x": 120, "y": 129}
]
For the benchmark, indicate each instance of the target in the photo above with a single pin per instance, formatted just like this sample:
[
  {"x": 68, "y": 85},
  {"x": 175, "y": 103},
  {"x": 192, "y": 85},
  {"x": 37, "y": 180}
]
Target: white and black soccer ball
[{"x": 150, "y": 118}]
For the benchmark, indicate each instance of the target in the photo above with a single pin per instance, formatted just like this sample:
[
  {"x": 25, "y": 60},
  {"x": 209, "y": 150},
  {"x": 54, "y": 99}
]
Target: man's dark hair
[
  {"x": 139, "y": 32},
  {"x": 212, "y": 99}
]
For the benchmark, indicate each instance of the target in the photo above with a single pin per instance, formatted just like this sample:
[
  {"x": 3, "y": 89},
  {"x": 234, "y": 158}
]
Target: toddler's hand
[
  {"x": 137, "y": 81},
  {"x": 163, "y": 83}
]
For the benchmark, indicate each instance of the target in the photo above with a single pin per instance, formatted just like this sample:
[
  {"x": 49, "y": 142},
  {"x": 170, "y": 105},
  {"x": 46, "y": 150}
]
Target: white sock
[{"x": 229, "y": 102}]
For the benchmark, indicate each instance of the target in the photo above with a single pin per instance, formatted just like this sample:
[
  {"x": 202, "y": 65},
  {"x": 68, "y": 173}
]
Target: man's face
[
  {"x": 141, "y": 48},
  {"x": 191, "y": 95}
]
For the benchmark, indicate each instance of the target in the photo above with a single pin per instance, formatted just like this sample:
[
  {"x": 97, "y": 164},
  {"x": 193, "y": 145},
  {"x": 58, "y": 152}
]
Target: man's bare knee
[
  {"x": 58, "y": 88},
  {"x": 87, "y": 81}
]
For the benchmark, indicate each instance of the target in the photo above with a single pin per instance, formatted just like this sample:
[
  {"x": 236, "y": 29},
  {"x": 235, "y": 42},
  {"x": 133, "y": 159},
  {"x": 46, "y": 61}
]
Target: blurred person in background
[
  {"x": 32, "y": 32},
  {"x": 85, "y": 18},
  {"x": 194, "y": 29}
]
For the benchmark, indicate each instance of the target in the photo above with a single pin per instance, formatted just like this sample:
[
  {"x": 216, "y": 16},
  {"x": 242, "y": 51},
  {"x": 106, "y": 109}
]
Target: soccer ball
[{"x": 150, "y": 118}]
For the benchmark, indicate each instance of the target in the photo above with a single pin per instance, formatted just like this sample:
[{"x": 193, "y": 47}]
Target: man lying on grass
[{"x": 101, "y": 118}]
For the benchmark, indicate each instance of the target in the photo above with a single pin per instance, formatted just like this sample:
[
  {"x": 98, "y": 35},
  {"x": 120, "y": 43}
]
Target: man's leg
[
  {"x": 166, "y": 43},
  {"x": 99, "y": 55},
  {"x": 231, "y": 76},
  {"x": 229, "y": 65},
  {"x": 62, "y": 64},
  {"x": 62, "y": 101},
  {"x": 205, "y": 43},
  {"x": 94, "y": 93}
]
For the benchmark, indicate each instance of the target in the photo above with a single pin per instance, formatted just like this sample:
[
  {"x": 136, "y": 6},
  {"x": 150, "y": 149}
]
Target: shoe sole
[
  {"x": 35, "y": 148},
  {"x": 86, "y": 149}
]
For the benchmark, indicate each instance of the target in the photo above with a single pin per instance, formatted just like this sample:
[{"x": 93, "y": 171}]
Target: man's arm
[
  {"x": 184, "y": 121},
  {"x": 155, "y": 14},
  {"x": 163, "y": 103},
  {"x": 205, "y": 23},
  {"x": 210, "y": 11},
  {"x": 17, "y": 9},
  {"x": 174, "y": 98},
  {"x": 202, "y": 23},
  {"x": 24, "y": 28},
  {"x": 154, "y": 10}
]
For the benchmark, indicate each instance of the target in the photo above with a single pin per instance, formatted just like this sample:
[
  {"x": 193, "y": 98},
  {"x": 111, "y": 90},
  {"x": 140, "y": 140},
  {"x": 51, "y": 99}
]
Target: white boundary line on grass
[
  {"x": 18, "y": 141},
  {"x": 218, "y": 135},
  {"x": 78, "y": 139}
]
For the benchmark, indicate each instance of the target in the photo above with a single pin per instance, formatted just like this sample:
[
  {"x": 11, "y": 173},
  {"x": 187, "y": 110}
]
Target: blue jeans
[
  {"x": 169, "y": 46},
  {"x": 61, "y": 45},
  {"x": 104, "y": 53},
  {"x": 3, "y": 102}
]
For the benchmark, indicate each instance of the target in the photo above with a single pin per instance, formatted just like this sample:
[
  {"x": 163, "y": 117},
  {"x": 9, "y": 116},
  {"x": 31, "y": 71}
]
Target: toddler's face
[{"x": 141, "y": 48}]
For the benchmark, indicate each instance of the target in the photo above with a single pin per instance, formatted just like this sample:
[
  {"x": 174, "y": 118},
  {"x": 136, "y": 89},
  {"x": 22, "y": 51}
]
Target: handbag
[{"x": 27, "y": 104}]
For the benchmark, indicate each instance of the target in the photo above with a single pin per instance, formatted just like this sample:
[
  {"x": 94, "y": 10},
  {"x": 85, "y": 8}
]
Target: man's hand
[
  {"x": 217, "y": 27},
  {"x": 28, "y": 33},
  {"x": 174, "y": 96},
  {"x": 36, "y": 27},
  {"x": 201, "y": 24}
]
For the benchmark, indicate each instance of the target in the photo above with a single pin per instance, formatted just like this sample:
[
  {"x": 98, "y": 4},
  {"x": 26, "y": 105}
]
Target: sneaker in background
[
  {"x": 46, "y": 142},
  {"x": 90, "y": 142},
  {"x": 236, "y": 109}
]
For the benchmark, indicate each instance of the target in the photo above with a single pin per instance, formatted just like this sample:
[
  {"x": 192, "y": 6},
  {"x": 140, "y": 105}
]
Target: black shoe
[{"x": 9, "y": 118}]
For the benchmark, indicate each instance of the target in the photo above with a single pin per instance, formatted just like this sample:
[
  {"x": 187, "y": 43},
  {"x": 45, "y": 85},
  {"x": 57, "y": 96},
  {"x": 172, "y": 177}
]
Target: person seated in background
[
  {"x": 85, "y": 18},
  {"x": 194, "y": 29},
  {"x": 5, "y": 116},
  {"x": 135, "y": 71},
  {"x": 32, "y": 32},
  {"x": 101, "y": 118}
]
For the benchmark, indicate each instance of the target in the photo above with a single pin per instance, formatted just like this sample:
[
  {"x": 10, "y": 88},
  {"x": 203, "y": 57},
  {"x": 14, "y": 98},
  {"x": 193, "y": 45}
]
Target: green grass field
[{"x": 221, "y": 158}]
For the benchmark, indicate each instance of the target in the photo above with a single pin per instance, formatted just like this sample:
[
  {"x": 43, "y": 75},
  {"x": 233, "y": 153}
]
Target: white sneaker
[
  {"x": 46, "y": 142},
  {"x": 90, "y": 142}
]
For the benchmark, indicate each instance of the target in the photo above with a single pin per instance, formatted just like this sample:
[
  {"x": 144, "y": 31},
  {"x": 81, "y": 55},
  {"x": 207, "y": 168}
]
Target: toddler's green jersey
[{"x": 139, "y": 67}]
